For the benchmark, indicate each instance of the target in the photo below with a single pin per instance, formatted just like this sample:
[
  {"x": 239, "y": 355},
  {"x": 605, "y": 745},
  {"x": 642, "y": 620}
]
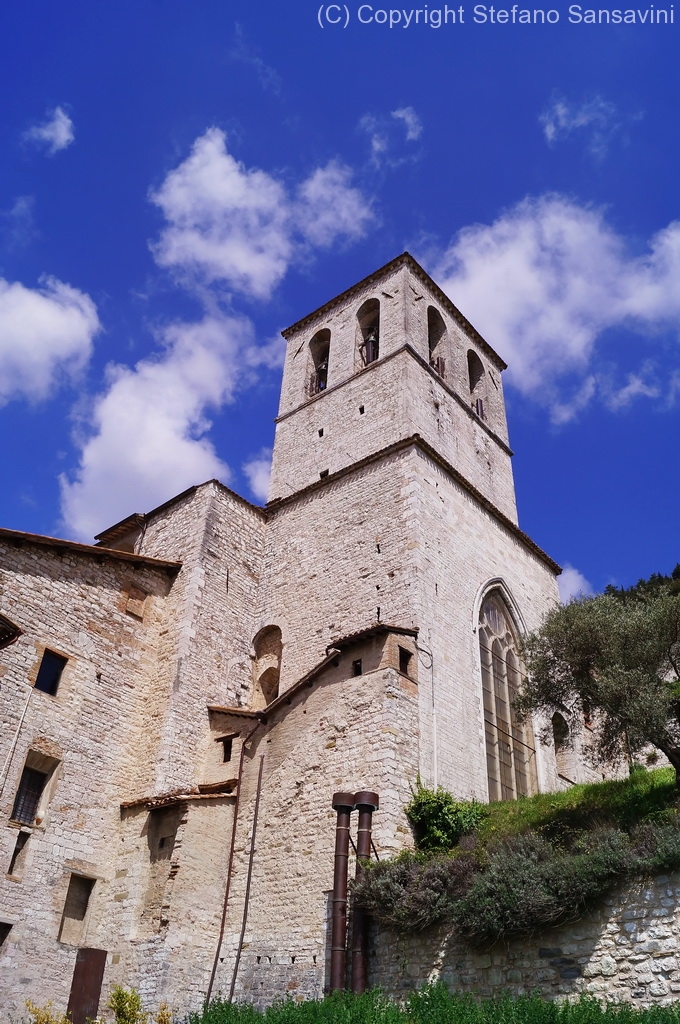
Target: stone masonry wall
[
  {"x": 344, "y": 733},
  {"x": 624, "y": 950},
  {"x": 88, "y": 608}
]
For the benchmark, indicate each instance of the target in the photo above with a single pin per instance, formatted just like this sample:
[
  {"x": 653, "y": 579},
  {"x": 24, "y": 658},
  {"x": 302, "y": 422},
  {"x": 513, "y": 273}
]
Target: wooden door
[{"x": 86, "y": 985}]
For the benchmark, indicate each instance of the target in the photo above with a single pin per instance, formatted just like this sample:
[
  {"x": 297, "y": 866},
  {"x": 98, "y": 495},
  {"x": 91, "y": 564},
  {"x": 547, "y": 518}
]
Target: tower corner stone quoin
[{"x": 183, "y": 697}]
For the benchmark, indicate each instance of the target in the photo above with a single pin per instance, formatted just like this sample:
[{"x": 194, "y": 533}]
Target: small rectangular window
[
  {"x": 49, "y": 673},
  {"x": 227, "y": 745},
  {"x": 5, "y": 929},
  {"x": 405, "y": 657},
  {"x": 75, "y": 908},
  {"x": 28, "y": 796},
  {"x": 357, "y": 668},
  {"x": 323, "y": 474}
]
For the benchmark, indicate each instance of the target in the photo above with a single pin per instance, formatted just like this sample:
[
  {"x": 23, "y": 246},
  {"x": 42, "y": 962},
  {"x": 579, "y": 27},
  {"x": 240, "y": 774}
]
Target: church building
[{"x": 181, "y": 700}]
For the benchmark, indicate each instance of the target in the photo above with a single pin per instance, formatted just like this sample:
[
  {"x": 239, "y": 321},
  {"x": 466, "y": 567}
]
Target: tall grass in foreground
[{"x": 434, "y": 1004}]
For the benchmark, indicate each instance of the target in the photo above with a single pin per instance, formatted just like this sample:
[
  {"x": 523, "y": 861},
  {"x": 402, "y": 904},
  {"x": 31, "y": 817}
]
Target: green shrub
[
  {"x": 528, "y": 884},
  {"x": 528, "y": 863},
  {"x": 438, "y": 821},
  {"x": 127, "y": 1006},
  {"x": 413, "y": 891}
]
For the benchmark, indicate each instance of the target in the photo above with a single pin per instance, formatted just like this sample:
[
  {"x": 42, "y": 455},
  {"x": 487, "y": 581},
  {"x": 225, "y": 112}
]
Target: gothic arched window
[{"x": 510, "y": 754}]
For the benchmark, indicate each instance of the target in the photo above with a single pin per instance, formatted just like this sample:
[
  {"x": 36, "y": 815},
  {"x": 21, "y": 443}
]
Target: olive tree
[{"x": 615, "y": 657}]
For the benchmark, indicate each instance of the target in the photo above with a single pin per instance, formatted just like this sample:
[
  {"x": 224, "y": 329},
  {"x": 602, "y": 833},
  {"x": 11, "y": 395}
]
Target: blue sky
[{"x": 180, "y": 182}]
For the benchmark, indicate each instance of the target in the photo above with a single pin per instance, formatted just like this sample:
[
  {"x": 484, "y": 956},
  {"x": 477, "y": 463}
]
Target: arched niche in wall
[
  {"x": 368, "y": 331},
  {"x": 564, "y": 754},
  {"x": 437, "y": 337},
  {"x": 319, "y": 352},
  {"x": 510, "y": 751},
  {"x": 267, "y": 647},
  {"x": 477, "y": 384}
]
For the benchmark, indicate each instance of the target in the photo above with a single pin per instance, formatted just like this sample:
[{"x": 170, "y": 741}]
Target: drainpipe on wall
[
  {"x": 365, "y": 802},
  {"x": 343, "y": 803}
]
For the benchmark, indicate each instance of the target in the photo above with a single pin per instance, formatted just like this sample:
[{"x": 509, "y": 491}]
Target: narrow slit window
[
  {"x": 357, "y": 667},
  {"x": 227, "y": 747},
  {"x": 28, "y": 796},
  {"x": 50, "y": 671}
]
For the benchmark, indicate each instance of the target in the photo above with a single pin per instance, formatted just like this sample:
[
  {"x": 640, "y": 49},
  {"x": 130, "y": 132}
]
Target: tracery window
[{"x": 510, "y": 753}]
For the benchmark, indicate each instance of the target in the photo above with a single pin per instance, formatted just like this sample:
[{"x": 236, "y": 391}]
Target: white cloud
[
  {"x": 45, "y": 337},
  {"x": 327, "y": 206},
  {"x": 412, "y": 123},
  {"x": 547, "y": 278},
  {"x": 388, "y": 137},
  {"x": 149, "y": 427},
  {"x": 55, "y": 133},
  {"x": 17, "y": 227},
  {"x": 228, "y": 223},
  {"x": 257, "y": 471},
  {"x": 572, "y": 583}
]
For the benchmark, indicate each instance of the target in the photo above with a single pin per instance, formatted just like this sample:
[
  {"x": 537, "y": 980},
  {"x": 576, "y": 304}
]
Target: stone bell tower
[
  {"x": 392, "y": 500},
  {"x": 388, "y": 359}
]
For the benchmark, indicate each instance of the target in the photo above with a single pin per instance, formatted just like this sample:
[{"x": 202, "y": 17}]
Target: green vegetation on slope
[{"x": 530, "y": 863}]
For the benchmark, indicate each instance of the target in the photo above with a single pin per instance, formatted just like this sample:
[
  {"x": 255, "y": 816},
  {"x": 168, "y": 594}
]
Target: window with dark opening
[
  {"x": 436, "y": 337},
  {"x": 8, "y": 632},
  {"x": 75, "y": 909},
  {"x": 5, "y": 929},
  {"x": 16, "y": 861},
  {"x": 368, "y": 318},
  {"x": 357, "y": 668},
  {"x": 49, "y": 673},
  {"x": 405, "y": 657},
  {"x": 319, "y": 349},
  {"x": 227, "y": 745},
  {"x": 28, "y": 796}
]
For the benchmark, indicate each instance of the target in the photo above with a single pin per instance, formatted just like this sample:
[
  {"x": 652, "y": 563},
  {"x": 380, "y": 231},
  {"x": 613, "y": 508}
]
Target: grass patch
[
  {"x": 434, "y": 1004},
  {"x": 644, "y": 796}
]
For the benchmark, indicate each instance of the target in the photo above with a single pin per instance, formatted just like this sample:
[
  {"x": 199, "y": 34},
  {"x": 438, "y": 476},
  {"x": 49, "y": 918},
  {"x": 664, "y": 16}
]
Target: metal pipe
[
  {"x": 343, "y": 803},
  {"x": 248, "y": 880},
  {"x": 366, "y": 802},
  {"x": 8, "y": 760},
  {"x": 231, "y": 860}
]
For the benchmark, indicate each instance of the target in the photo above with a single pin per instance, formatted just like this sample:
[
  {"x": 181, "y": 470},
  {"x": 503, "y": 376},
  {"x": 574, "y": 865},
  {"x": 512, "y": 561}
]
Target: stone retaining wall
[{"x": 624, "y": 950}]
